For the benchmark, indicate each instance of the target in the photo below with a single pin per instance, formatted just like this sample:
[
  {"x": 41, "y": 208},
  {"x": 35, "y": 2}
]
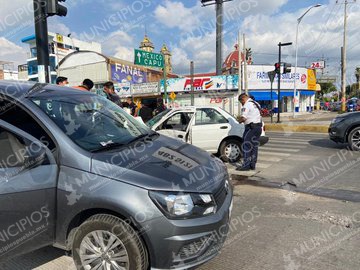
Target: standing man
[
  {"x": 62, "y": 81},
  {"x": 145, "y": 112},
  {"x": 160, "y": 107},
  {"x": 109, "y": 91},
  {"x": 251, "y": 117},
  {"x": 87, "y": 85},
  {"x": 132, "y": 105}
]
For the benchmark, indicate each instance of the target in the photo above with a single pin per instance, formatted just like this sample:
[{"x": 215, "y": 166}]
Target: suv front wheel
[
  {"x": 354, "y": 139},
  {"x": 107, "y": 242}
]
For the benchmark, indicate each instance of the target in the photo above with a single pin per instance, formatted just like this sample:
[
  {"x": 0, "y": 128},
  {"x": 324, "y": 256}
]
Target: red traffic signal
[{"x": 277, "y": 68}]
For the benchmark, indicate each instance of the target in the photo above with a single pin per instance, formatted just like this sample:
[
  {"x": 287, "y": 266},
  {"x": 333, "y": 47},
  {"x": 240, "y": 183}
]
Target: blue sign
[{"x": 122, "y": 73}]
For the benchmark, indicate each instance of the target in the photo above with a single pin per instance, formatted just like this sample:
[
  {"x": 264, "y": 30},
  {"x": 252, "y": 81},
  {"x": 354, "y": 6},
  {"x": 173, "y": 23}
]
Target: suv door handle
[
  {"x": 224, "y": 127},
  {"x": 180, "y": 136}
]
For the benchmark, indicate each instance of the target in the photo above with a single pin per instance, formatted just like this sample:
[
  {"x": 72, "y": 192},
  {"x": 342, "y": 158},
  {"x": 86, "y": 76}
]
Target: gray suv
[{"x": 79, "y": 173}]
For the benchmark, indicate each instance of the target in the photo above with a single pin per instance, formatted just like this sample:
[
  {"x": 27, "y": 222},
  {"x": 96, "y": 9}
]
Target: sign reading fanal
[{"x": 148, "y": 59}]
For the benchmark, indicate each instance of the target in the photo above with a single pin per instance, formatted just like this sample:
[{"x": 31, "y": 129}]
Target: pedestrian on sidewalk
[{"x": 251, "y": 117}]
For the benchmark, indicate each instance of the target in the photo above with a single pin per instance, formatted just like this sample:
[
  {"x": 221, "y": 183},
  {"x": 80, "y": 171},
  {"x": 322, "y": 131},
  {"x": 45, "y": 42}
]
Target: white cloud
[{"x": 12, "y": 52}]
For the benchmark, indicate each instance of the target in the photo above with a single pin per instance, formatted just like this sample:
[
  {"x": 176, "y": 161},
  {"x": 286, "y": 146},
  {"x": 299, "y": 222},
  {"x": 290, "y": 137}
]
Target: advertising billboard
[{"x": 122, "y": 73}]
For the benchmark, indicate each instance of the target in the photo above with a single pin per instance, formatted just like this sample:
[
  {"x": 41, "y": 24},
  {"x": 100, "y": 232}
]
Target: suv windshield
[
  {"x": 157, "y": 118},
  {"x": 91, "y": 121}
]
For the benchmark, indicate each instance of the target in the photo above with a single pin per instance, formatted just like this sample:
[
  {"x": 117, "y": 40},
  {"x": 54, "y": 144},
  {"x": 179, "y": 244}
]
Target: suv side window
[
  {"x": 19, "y": 118},
  {"x": 208, "y": 116},
  {"x": 178, "y": 121}
]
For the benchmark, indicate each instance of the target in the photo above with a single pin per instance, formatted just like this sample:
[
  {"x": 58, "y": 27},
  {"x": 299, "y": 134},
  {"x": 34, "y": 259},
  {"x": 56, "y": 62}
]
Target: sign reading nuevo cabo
[{"x": 148, "y": 59}]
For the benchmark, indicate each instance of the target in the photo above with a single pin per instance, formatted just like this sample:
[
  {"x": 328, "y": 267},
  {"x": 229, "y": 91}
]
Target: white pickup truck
[{"x": 209, "y": 128}]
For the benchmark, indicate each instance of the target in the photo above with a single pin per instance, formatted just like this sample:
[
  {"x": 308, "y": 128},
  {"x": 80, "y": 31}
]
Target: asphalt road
[
  {"x": 277, "y": 228},
  {"x": 307, "y": 162}
]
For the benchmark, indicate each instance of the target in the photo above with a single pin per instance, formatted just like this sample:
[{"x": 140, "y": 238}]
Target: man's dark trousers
[{"x": 251, "y": 145}]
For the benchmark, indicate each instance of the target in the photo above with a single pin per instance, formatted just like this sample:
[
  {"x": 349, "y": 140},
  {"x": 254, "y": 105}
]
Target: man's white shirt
[{"x": 250, "y": 112}]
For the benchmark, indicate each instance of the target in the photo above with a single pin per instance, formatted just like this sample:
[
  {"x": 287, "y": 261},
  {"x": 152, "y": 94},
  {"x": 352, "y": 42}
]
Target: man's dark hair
[
  {"x": 88, "y": 83},
  {"x": 61, "y": 79},
  {"x": 243, "y": 95},
  {"x": 109, "y": 85}
]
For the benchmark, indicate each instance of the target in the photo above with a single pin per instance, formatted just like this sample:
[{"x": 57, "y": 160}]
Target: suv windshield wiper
[
  {"x": 108, "y": 146},
  {"x": 147, "y": 135}
]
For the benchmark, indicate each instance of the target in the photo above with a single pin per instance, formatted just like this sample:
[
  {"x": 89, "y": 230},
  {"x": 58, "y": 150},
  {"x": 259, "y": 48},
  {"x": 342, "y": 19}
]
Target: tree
[{"x": 327, "y": 87}]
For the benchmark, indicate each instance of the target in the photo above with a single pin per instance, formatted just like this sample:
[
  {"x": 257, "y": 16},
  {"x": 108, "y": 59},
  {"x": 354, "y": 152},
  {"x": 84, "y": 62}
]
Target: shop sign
[
  {"x": 200, "y": 84},
  {"x": 123, "y": 89},
  {"x": 127, "y": 73},
  {"x": 145, "y": 88}
]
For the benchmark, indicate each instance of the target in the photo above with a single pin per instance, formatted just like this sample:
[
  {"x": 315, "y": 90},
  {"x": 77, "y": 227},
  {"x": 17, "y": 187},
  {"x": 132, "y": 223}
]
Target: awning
[
  {"x": 307, "y": 93},
  {"x": 263, "y": 95}
]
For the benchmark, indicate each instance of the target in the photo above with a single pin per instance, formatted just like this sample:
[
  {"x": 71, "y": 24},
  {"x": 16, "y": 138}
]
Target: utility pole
[
  {"x": 343, "y": 71},
  {"x": 343, "y": 56},
  {"x": 42, "y": 40},
  {"x": 219, "y": 30},
  {"x": 245, "y": 66},
  {"x": 239, "y": 71},
  {"x": 192, "y": 82}
]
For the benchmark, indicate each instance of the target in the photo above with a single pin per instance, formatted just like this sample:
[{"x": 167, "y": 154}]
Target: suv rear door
[{"x": 28, "y": 179}]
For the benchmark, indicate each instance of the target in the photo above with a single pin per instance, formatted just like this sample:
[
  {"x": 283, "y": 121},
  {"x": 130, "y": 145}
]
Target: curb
[{"x": 296, "y": 128}]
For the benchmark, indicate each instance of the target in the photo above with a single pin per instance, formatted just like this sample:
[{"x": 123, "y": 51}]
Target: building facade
[{"x": 59, "y": 47}]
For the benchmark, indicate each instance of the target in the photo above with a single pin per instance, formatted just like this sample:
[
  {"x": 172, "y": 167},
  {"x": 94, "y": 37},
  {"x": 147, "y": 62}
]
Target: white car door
[
  {"x": 209, "y": 129},
  {"x": 176, "y": 125}
]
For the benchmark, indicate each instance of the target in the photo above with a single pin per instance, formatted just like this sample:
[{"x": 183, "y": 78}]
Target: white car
[{"x": 209, "y": 128}]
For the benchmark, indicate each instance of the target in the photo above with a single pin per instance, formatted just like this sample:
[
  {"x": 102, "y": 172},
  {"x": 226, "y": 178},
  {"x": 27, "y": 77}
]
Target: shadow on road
[
  {"x": 327, "y": 143},
  {"x": 32, "y": 260}
]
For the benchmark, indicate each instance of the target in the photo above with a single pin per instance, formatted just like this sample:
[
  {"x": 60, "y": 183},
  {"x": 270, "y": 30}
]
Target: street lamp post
[{"x": 296, "y": 50}]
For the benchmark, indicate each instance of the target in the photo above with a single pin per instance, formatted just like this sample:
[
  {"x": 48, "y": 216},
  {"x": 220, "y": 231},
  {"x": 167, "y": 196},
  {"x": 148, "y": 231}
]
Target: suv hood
[{"x": 163, "y": 164}]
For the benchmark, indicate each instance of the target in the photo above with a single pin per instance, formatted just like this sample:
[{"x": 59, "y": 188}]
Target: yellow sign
[
  {"x": 311, "y": 80},
  {"x": 59, "y": 38},
  {"x": 172, "y": 95}
]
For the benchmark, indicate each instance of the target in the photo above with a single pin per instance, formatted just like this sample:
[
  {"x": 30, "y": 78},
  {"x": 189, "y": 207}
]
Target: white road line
[
  {"x": 274, "y": 154},
  {"x": 280, "y": 149},
  {"x": 285, "y": 142},
  {"x": 280, "y": 145},
  {"x": 267, "y": 158}
]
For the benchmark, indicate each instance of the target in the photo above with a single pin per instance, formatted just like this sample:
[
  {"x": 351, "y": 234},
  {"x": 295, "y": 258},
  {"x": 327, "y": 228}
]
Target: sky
[{"x": 188, "y": 29}]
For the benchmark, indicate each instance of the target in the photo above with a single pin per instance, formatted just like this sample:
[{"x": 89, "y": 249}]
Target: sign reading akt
[
  {"x": 148, "y": 59},
  {"x": 124, "y": 73}
]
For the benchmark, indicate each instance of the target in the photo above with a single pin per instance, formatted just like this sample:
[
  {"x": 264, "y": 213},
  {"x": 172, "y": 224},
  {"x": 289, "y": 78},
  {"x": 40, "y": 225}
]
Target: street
[{"x": 273, "y": 225}]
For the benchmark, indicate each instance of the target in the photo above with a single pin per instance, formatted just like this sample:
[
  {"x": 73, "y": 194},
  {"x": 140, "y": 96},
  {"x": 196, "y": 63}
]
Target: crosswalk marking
[
  {"x": 273, "y": 153},
  {"x": 280, "y": 145},
  {"x": 279, "y": 149},
  {"x": 285, "y": 142}
]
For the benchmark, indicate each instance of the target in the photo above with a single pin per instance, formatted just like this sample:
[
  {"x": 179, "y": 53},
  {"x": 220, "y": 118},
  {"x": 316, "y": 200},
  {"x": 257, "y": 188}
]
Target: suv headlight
[
  {"x": 180, "y": 206},
  {"x": 337, "y": 120}
]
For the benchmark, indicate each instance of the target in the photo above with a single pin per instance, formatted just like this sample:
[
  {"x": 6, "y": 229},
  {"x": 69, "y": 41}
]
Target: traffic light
[
  {"x": 54, "y": 8},
  {"x": 287, "y": 68},
  {"x": 277, "y": 68}
]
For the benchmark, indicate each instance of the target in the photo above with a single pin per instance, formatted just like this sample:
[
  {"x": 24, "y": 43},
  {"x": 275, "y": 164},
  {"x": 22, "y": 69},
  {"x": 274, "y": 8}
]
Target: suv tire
[
  {"x": 354, "y": 139},
  {"x": 108, "y": 239},
  {"x": 230, "y": 150}
]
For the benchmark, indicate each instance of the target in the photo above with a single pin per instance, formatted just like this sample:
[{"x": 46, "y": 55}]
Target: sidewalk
[{"x": 317, "y": 121}]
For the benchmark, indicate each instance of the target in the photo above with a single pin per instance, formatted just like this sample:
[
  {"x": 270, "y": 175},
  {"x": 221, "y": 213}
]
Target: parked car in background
[
  {"x": 345, "y": 128},
  {"x": 209, "y": 128},
  {"x": 79, "y": 173},
  {"x": 352, "y": 105}
]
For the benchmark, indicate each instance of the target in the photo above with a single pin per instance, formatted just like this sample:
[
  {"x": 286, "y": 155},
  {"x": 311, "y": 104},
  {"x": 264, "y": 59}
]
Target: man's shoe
[
  {"x": 243, "y": 169},
  {"x": 252, "y": 168}
]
